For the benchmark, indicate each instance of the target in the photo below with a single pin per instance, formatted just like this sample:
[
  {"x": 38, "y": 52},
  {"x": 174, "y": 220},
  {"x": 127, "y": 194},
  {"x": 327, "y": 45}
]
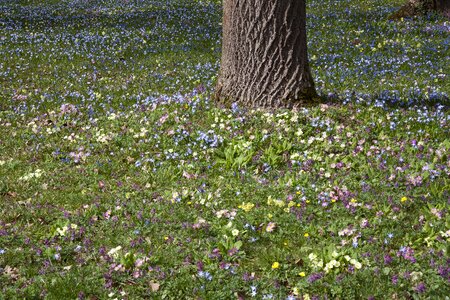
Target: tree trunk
[
  {"x": 420, "y": 7},
  {"x": 264, "y": 54}
]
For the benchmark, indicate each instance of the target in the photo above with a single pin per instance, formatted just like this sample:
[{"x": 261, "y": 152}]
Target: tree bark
[
  {"x": 421, "y": 7},
  {"x": 264, "y": 54}
]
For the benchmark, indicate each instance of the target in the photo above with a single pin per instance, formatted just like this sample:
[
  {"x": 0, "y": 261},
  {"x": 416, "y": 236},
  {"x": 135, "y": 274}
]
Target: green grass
[{"x": 108, "y": 138}]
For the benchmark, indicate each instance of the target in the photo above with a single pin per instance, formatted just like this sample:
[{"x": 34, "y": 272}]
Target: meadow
[{"x": 120, "y": 178}]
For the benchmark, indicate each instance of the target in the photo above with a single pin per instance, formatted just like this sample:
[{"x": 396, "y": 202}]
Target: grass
[{"x": 120, "y": 178}]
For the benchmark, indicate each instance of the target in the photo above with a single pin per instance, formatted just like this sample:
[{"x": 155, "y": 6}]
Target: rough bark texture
[
  {"x": 420, "y": 7},
  {"x": 264, "y": 54}
]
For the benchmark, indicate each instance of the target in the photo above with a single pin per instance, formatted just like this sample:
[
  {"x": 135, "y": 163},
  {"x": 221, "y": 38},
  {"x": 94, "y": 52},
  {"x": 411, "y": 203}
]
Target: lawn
[{"x": 120, "y": 178}]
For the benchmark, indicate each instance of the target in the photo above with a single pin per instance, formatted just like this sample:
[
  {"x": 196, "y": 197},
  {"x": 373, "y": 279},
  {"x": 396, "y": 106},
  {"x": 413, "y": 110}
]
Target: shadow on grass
[{"x": 83, "y": 14}]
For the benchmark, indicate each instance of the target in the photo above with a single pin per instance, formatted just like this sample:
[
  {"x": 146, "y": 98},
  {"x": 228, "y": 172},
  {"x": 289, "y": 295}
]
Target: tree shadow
[{"x": 86, "y": 16}]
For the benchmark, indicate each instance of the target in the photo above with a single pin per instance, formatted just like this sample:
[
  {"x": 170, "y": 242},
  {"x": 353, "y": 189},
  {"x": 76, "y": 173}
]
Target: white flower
[
  {"x": 36, "y": 174},
  {"x": 415, "y": 276},
  {"x": 62, "y": 231},
  {"x": 445, "y": 234},
  {"x": 320, "y": 264},
  {"x": 335, "y": 263},
  {"x": 235, "y": 232},
  {"x": 312, "y": 256},
  {"x": 114, "y": 251},
  {"x": 356, "y": 263}
]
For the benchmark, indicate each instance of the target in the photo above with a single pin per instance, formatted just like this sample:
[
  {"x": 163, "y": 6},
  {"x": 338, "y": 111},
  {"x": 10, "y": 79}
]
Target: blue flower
[{"x": 253, "y": 289}]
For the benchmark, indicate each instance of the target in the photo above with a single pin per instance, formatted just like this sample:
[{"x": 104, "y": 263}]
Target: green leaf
[{"x": 238, "y": 245}]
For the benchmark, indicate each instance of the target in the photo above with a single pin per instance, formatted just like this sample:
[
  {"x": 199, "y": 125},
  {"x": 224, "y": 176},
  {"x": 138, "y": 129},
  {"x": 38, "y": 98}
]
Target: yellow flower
[
  {"x": 275, "y": 265},
  {"x": 302, "y": 274},
  {"x": 246, "y": 206},
  {"x": 404, "y": 199},
  {"x": 306, "y": 234},
  {"x": 353, "y": 200}
]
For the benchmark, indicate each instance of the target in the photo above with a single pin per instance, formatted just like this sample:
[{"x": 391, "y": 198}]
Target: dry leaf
[
  {"x": 154, "y": 286},
  {"x": 188, "y": 176},
  {"x": 12, "y": 273}
]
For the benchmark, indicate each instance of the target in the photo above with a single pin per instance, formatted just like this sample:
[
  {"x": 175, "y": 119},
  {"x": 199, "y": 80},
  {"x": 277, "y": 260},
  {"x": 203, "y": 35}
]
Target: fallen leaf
[
  {"x": 188, "y": 176},
  {"x": 154, "y": 286}
]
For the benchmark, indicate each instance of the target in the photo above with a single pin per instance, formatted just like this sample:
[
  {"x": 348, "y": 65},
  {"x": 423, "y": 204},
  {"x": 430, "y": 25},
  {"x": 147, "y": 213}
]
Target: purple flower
[
  {"x": 387, "y": 259},
  {"x": 407, "y": 253},
  {"x": 200, "y": 265},
  {"x": 314, "y": 277},
  {"x": 215, "y": 253},
  {"x": 394, "y": 279},
  {"x": 232, "y": 251},
  {"x": 420, "y": 288}
]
